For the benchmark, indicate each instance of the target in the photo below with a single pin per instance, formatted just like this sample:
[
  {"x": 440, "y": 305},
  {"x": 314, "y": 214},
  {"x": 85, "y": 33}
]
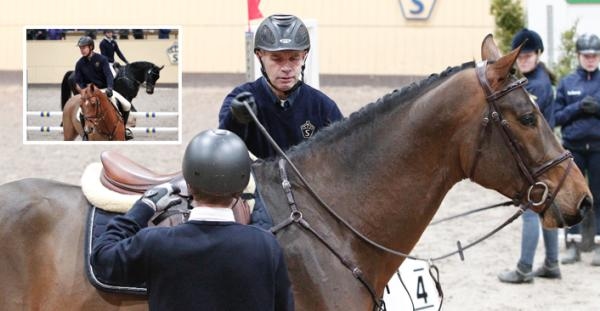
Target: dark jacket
[
  {"x": 539, "y": 85},
  {"x": 108, "y": 48},
  {"x": 94, "y": 70},
  {"x": 310, "y": 111},
  {"x": 198, "y": 265},
  {"x": 579, "y": 130}
]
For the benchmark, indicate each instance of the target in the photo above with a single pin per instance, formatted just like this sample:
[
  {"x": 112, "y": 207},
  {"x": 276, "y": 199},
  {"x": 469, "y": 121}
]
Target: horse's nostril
[{"x": 585, "y": 205}]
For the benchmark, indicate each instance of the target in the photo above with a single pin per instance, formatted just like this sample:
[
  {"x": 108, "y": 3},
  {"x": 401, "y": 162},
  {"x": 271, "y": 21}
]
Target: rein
[{"x": 296, "y": 216}]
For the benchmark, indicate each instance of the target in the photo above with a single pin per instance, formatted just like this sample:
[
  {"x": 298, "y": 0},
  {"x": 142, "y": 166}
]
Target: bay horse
[
  {"x": 127, "y": 82},
  {"x": 384, "y": 171},
  {"x": 102, "y": 120}
]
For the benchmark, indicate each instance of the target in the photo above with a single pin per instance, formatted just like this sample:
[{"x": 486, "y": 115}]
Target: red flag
[{"x": 253, "y": 11}]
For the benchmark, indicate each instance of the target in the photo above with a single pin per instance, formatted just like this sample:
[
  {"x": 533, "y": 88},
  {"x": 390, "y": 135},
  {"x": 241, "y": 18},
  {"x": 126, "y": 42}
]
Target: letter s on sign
[{"x": 419, "y": 6}]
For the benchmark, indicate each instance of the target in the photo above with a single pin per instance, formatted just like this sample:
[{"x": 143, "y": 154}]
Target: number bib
[{"x": 420, "y": 288}]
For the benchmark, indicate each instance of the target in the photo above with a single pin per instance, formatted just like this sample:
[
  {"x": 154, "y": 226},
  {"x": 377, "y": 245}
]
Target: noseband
[{"x": 531, "y": 175}]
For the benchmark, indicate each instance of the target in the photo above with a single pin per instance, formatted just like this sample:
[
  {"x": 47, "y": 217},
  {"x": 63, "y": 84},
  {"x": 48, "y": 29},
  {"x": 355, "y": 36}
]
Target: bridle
[
  {"x": 98, "y": 117},
  {"x": 531, "y": 175},
  {"x": 151, "y": 77}
]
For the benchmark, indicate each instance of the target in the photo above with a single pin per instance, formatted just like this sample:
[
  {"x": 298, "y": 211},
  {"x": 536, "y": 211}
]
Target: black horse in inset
[{"x": 127, "y": 82}]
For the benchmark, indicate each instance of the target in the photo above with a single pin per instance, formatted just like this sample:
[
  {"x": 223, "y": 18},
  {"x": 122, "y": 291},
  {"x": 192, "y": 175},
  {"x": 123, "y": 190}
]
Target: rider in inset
[
  {"x": 94, "y": 68},
  {"x": 577, "y": 111},
  {"x": 540, "y": 87},
  {"x": 210, "y": 262},
  {"x": 291, "y": 110},
  {"x": 108, "y": 48}
]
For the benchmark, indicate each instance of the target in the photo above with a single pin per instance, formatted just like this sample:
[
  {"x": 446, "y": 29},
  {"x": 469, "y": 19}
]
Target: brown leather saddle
[{"x": 122, "y": 175}]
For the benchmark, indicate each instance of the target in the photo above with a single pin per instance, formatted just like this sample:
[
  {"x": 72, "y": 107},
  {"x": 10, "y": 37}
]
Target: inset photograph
[{"x": 87, "y": 84}]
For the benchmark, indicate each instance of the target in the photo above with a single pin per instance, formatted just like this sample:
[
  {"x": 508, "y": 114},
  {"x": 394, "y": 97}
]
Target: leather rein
[{"x": 296, "y": 216}]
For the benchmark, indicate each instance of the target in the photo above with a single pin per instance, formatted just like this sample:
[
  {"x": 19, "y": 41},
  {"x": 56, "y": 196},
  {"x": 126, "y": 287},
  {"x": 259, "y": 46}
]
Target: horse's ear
[
  {"x": 161, "y": 67},
  {"x": 501, "y": 68},
  {"x": 489, "y": 49},
  {"x": 92, "y": 87}
]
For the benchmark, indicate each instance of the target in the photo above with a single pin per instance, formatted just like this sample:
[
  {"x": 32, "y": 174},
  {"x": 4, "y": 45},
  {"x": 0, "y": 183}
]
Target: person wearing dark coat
[{"x": 209, "y": 262}]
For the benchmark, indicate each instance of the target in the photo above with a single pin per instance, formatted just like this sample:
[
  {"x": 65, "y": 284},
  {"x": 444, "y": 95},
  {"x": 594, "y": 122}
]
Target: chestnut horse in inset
[{"x": 102, "y": 120}]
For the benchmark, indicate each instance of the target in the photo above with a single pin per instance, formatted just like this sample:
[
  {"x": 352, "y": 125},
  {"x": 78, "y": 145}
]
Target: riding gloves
[
  {"x": 590, "y": 105},
  {"x": 162, "y": 197},
  {"x": 109, "y": 92},
  {"x": 239, "y": 111}
]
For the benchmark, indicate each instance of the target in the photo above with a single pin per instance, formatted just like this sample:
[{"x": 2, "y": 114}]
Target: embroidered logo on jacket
[
  {"x": 307, "y": 129},
  {"x": 573, "y": 92},
  {"x": 97, "y": 64}
]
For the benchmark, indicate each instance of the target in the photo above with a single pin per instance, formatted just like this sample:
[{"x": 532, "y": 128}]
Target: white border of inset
[{"x": 179, "y": 29}]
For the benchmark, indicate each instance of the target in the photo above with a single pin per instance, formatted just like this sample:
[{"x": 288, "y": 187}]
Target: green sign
[{"x": 582, "y": 1}]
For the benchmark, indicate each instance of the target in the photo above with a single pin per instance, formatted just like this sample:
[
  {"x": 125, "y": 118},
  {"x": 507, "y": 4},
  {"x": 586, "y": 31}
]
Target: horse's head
[
  {"x": 92, "y": 101},
  {"x": 516, "y": 152},
  {"x": 152, "y": 75}
]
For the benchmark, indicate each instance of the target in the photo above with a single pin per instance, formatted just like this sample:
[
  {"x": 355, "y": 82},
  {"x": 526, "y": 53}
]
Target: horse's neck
[
  {"x": 138, "y": 70},
  {"x": 394, "y": 172}
]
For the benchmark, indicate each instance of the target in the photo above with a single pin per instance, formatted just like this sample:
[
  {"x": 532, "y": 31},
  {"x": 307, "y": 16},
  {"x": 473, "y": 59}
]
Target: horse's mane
[
  {"x": 381, "y": 107},
  {"x": 142, "y": 64}
]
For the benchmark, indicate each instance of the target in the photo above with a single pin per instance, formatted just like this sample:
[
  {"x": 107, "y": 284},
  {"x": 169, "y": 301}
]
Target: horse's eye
[{"x": 528, "y": 119}]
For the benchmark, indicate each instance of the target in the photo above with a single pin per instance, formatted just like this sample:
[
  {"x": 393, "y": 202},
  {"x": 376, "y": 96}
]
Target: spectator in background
[
  {"x": 40, "y": 34},
  {"x": 91, "y": 33},
  {"x": 138, "y": 34},
  {"x": 56, "y": 34},
  {"x": 123, "y": 34},
  {"x": 540, "y": 85},
  {"x": 577, "y": 111},
  {"x": 164, "y": 33}
]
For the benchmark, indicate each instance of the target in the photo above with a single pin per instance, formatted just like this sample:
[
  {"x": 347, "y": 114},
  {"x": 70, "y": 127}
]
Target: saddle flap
[{"x": 122, "y": 172}]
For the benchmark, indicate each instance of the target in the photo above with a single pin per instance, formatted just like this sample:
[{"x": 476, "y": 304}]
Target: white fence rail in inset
[
  {"x": 140, "y": 114},
  {"x": 147, "y": 130}
]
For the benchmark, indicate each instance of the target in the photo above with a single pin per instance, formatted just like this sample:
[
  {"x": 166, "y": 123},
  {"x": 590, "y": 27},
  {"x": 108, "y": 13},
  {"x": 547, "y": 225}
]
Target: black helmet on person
[
  {"x": 86, "y": 41},
  {"x": 216, "y": 162},
  {"x": 533, "y": 43},
  {"x": 280, "y": 32},
  {"x": 588, "y": 44}
]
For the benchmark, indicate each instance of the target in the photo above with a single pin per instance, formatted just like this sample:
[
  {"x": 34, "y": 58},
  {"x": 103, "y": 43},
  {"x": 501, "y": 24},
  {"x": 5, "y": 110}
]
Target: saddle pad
[
  {"x": 95, "y": 226},
  {"x": 102, "y": 197}
]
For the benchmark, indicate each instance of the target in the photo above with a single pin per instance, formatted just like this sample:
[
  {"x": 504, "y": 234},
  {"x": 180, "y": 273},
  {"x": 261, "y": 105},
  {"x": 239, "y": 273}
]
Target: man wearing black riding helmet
[
  {"x": 577, "y": 111},
  {"x": 291, "y": 110},
  {"x": 94, "y": 68}
]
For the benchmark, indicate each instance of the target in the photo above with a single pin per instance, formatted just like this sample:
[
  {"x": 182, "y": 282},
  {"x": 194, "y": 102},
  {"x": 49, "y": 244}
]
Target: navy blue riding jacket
[
  {"x": 93, "y": 70},
  {"x": 579, "y": 130},
  {"x": 108, "y": 48},
  {"x": 197, "y": 265},
  {"x": 539, "y": 85},
  {"x": 309, "y": 111}
]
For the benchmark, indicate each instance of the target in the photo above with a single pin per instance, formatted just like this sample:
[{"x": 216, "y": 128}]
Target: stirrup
[{"x": 128, "y": 134}]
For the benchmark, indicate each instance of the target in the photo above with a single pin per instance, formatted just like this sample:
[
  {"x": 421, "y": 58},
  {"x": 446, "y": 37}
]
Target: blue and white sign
[
  {"x": 418, "y": 291},
  {"x": 417, "y": 9}
]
